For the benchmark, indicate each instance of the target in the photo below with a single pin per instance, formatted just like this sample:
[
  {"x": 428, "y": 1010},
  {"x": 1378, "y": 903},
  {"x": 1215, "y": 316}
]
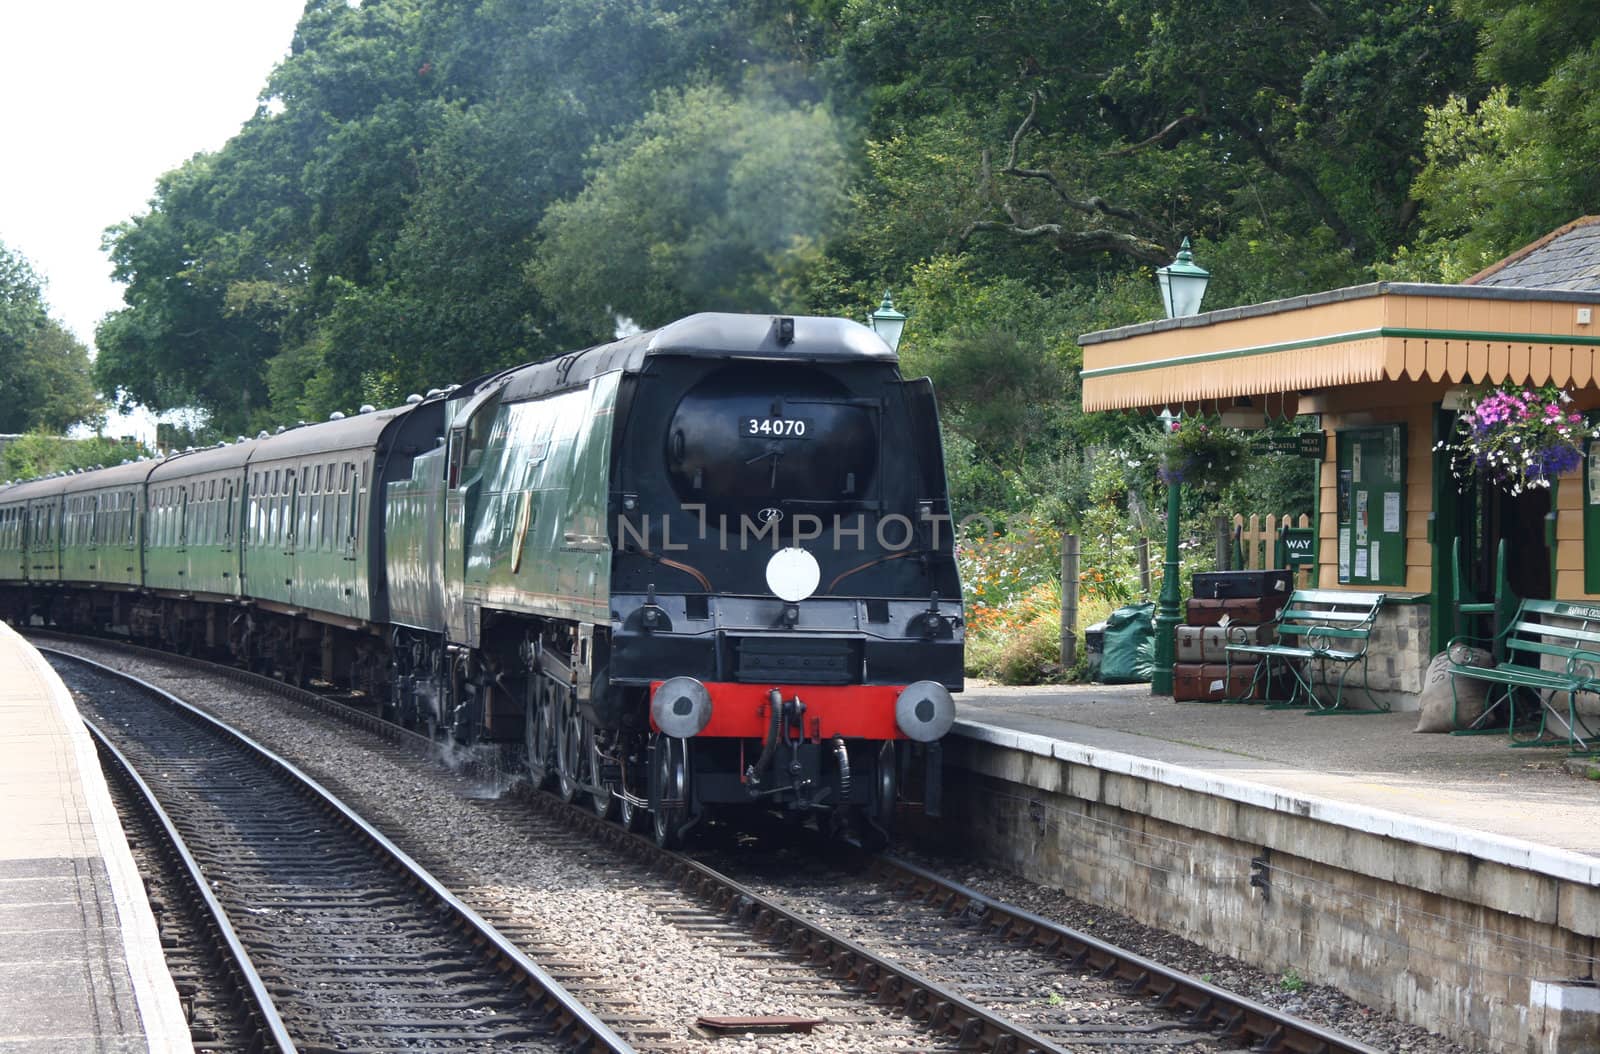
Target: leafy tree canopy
[
  {"x": 434, "y": 188},
  {"x": 40, "y": 453},
  {"x": 1511, "y": 156},
  {"x": 44, "y": 369},
  {"x": 712, "y": 202}
]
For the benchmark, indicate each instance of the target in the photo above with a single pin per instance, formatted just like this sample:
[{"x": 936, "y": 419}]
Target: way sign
[{"x": 1299, "y": 544}]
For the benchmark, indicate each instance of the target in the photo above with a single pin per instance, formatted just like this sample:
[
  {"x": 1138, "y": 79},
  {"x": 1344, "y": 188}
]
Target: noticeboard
[{"x": 1371, "y": 504}]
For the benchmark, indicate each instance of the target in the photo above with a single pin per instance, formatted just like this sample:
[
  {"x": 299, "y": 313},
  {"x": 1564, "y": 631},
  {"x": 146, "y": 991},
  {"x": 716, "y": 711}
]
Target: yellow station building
[{"x": 1385, "y": 367}]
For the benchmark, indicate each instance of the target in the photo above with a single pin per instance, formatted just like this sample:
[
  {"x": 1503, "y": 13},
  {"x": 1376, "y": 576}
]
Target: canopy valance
[{"x": 1380, "y": 332}]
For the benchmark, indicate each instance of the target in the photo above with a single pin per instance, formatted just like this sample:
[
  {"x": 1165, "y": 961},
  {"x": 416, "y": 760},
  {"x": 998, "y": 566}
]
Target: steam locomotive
[{"x": 700, "y": 568}]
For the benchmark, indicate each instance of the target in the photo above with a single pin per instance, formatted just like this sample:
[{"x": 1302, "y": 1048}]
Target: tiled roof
[{"x": 1566, "y": 258}]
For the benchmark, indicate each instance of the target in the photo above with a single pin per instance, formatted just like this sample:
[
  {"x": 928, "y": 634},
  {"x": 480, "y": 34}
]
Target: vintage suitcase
[
  {"x": 1191, "y": 644},
  {"x": 1245, "y": 611},
  {"x": 1210, "y": 682},
  {"x": 1206, "y": 643},
  {"x": 1222, "y": 585},
  {"x": 1253, "y": 611}
]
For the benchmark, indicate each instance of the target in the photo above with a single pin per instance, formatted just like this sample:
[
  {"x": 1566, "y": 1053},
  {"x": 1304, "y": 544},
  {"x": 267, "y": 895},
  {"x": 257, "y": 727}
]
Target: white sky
[{"x": 97, "y": 99}]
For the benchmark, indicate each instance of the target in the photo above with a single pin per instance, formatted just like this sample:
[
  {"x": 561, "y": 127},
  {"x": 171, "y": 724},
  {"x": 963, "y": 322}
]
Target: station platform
[
  {"x": 81, "y": 966},
  {"x": 1361, "y": 765},
  {"x": 1451, "y": 880}
]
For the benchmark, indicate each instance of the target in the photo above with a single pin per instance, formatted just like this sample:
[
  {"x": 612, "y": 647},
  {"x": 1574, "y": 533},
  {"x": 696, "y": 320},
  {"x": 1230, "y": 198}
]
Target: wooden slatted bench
[
  {"x": 1318, "y": 631},
  {"x": 1541, "y": 659}
]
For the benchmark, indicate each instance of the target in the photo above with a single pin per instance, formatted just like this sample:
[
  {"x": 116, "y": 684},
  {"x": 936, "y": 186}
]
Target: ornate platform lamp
[{"x": 1183, "y": 285}]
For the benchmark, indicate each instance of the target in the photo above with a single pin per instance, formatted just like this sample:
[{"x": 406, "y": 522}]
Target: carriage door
[
  {"x": 286, "y": 528},
  {"x": 469, "y": 437}
]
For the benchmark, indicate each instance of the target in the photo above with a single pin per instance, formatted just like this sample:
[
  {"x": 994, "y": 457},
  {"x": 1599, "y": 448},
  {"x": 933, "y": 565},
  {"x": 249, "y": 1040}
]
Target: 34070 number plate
[{"x": 776, "y": 427}]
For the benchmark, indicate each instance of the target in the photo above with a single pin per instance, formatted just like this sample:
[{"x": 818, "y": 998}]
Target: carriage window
[
  {"x": 355, "y": 508},
  {"x": 303, "y": 533}
]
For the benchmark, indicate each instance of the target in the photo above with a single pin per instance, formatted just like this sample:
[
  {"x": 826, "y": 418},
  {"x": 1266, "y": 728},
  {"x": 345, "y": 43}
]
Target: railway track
[
  {"x": 224, "y": 999},
  {"x": 970, "y": 972},
  {"x": 345, "y": 942}
]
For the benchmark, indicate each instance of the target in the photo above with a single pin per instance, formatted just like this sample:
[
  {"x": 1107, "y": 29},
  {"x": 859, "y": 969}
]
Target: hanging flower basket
[
  {"x": 1198, "y": 453},
  {"x": 1517, "y": 438}
]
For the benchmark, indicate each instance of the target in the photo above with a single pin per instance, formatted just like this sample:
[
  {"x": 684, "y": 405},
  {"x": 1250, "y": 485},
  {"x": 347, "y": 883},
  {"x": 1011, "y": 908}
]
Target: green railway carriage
[
  {"x": 194, "y": 545},
  {"x": 33, "y": 514},
  {"x": 102, "y": 525},
  {"x": 314, "y": 522},
  {"x": 308, "y": 507},
  {"x": 13, "y": 535}
]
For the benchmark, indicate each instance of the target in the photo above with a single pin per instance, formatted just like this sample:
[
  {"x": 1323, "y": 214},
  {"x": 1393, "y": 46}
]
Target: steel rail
[
  {"x": 889, "y": 983},
  {"x": 269, "y": 1024},
  {"x": 573, "y": 1022},
  {"x": 1242, "y": 1019}
]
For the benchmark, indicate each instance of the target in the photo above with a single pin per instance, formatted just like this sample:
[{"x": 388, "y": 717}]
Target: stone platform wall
[
  {"x": 1397, "y": 657},
  {"x": 1471, "y": 936}
]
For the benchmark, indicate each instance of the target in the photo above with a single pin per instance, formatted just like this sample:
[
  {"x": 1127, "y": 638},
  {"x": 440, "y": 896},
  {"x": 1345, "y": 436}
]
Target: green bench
[
  {"x": 1539, "y": 659},
  {"x": 1322, "y": 631}
]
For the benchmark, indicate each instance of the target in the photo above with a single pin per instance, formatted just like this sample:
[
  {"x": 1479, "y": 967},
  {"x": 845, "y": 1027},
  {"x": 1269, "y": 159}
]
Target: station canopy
[{"x": 1531, "y": 318}]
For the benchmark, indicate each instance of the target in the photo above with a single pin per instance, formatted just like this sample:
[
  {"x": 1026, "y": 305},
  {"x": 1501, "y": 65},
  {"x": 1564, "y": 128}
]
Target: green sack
[{"x": 1130, "y": 635}]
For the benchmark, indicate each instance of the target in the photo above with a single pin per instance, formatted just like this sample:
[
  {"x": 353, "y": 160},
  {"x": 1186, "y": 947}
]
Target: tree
[
  {"x": 39, "y": 454},
  {"x": 44, "y": 369},
  {"x": 1130, "y": 123},
  {"x": 368, "y": 231},
  {"x": 1513, "y": 157},
  {"x": 711, "y": 202}
]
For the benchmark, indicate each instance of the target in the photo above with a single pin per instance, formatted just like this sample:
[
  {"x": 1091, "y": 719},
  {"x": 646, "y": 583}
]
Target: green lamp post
[
  {"x": 1183, "y": 285},
  {"x": 887, "y": 323}
]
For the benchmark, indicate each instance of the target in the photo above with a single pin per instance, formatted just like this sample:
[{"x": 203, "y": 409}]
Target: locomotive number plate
[{"x": 776, "y": 427}]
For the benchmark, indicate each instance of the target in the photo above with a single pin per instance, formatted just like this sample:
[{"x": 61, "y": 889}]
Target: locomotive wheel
[
  {"x": 886, "y": 788},
  {"x": 875, "y": 820},
  {"x": 539, "y": 738},
  {"x": 569, "y": 748},
  {"x": 670, "y": 759},
  {"x": 627, "y": 812},
  {"x": 601, "y": 799}
]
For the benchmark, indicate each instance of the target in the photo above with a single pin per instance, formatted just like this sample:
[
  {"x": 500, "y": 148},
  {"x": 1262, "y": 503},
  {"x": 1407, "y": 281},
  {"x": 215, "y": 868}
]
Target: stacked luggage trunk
[{"x": 1228, "y": 607}]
